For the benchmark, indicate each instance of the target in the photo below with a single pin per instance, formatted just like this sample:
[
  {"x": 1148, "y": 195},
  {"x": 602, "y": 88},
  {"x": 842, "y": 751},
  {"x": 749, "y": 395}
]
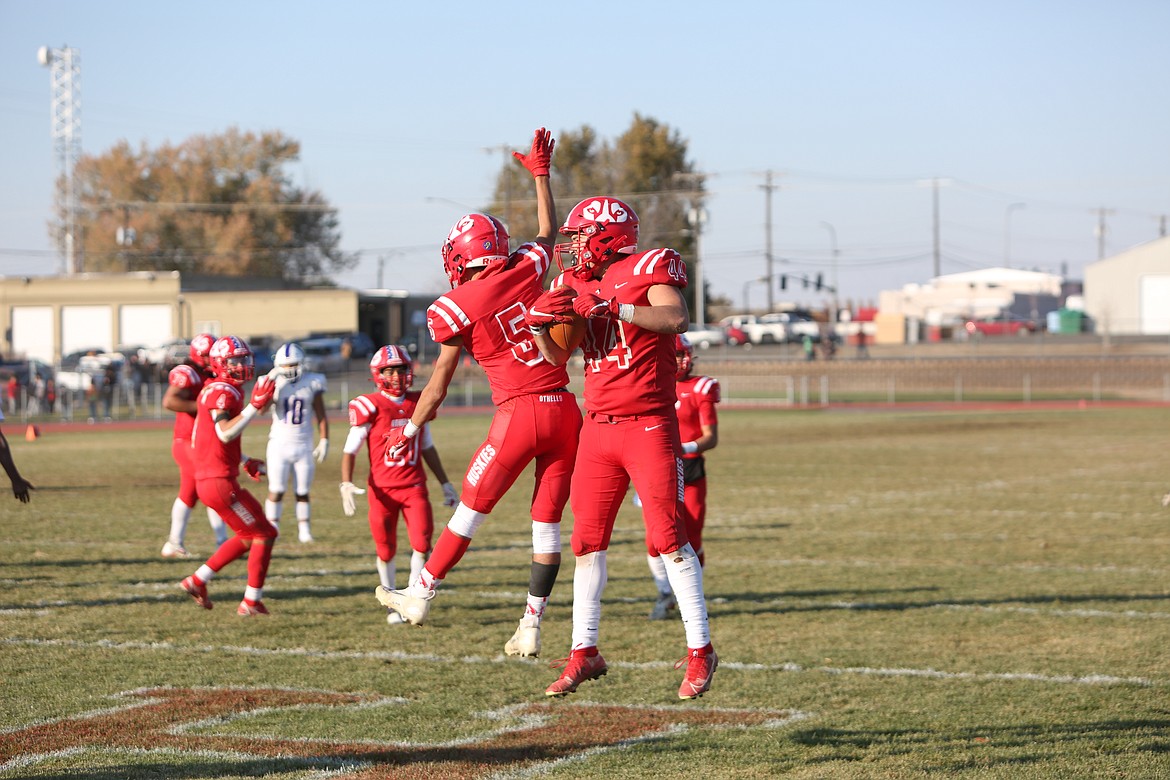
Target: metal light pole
[
  {"x": 833, "y": 275},
  {"x": 65, "y": 66},
  {"x": 1007, "y": 232},
  {"x": 697, "y": 219}
]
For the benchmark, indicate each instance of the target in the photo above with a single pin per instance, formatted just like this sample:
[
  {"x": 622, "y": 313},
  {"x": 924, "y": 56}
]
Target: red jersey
[
  {"x": 382, "y": 413},
  {"x": 697, "y": 396},
  {"x": 214, "y": 458},
  {"x": 489, "y": 314},
  {"x": 185, "y": 377},
  {"x": 629, "y": 370}
]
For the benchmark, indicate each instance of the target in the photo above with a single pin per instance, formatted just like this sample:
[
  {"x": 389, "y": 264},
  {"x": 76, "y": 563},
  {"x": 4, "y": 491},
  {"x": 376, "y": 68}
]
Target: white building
[
  {"x": 1129, "y": 293},
  {"x": 953, "y": 298}
]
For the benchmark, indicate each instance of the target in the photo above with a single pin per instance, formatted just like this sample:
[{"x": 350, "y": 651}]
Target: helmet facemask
[
  {"x": 290, "y": 361},
  {"x": 397, "y": 382}
]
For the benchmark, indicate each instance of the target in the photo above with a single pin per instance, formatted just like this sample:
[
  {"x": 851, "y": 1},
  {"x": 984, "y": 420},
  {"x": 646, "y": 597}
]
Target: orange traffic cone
[{"x": 31, "y": 433}]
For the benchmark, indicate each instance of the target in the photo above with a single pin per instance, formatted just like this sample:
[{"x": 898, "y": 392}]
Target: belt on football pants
[{"x": 614, "y": 418}]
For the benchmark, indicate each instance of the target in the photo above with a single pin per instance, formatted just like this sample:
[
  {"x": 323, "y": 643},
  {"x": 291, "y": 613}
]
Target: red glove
[
  {"x": 552, "y": 306},
  {"x": 590, "y": 306},
  {"x": 539, "y": 159},
  {"x": 262, "y": 392},
  {"x": 255, "y": 468},
  {"x": 397, "y": 442}
]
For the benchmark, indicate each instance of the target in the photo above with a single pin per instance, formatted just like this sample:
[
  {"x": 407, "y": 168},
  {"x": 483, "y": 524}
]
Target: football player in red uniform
[
  {"x": 183, "y": 385},
  {"x": 220, "y": 420},
  {"x": 698, "y": 427},
  {"x": 536, "y": 417},
  {"x": 396, "y": 484},
  {"x": 633, "y": 306}
]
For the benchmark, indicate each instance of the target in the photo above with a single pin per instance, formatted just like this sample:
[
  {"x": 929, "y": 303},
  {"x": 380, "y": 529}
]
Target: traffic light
[
  {"x": 783, "y": 282},
  {"x": 820, "y": 281}
]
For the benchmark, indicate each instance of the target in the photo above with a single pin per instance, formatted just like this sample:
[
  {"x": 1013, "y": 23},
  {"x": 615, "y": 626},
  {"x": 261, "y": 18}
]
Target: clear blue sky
[{"x": 1061, "y": 105}]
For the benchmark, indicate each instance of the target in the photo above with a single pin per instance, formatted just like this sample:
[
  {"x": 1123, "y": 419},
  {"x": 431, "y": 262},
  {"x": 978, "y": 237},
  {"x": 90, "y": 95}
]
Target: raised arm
[{"x": 538, "y": 162}]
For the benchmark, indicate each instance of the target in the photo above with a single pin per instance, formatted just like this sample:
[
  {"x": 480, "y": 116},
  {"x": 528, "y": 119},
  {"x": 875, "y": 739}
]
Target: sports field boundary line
[{"x": 789, "y": 667}]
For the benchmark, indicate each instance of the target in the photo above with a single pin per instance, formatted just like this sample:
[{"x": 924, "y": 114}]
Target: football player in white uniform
[{"x": 300, "y": 397}]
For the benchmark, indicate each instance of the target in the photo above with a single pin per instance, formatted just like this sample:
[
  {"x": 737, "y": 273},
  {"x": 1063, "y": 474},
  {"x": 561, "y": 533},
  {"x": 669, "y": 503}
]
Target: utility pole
[
  {"x": 937, "y": 236},
  {"x": 1102, "y": 230},
  {"x": 65, "y": 66},
  {"x": 770, "y": 275}
]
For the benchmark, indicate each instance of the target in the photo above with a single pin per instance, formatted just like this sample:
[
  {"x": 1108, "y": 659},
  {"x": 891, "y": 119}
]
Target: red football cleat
[
  {"x": 198, "y": 591},
  {"x": 578, "y": 668},
  {"x": 250, "y": 608},
  {"x": 700, "y": 665}
]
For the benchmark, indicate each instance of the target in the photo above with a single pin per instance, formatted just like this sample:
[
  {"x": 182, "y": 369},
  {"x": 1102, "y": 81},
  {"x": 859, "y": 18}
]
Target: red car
[{"x": 1005, "y": 325}]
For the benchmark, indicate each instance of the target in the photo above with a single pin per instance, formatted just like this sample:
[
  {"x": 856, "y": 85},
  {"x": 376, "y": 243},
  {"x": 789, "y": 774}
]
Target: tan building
[
  {"x": 44, "y": 318},
  {"x": 1129, "y": 293}
]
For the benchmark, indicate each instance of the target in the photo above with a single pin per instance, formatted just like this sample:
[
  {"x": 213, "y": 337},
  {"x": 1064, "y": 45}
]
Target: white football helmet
[{"x": 288, "y": 361}]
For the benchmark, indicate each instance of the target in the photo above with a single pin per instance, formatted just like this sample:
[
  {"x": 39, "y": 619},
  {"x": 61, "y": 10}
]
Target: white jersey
[{"x": 293, "y": 422}]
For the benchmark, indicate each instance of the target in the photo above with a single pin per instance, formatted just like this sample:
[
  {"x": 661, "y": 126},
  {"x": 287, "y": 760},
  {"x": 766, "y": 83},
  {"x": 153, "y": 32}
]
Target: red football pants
[{"x": 644, "y": 449}]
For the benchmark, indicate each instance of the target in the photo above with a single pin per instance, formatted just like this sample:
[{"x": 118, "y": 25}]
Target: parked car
[
  {"x": 735, "y": 335},
  {"x": 361, "y": 345},
  {"x": 1002, "y": 325},
  {"x": 324, "y": 356},
  {"x": 706, "y": 336}
]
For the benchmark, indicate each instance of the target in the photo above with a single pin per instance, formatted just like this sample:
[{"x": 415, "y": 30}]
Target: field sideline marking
[{"x": 1091, "y": 679}]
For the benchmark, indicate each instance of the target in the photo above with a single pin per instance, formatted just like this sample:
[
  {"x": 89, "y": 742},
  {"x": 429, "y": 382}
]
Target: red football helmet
[
  {"x": 475, "y": 241},
  {"x": 598, "y": 229},
  {"x": 391, "y": 356},
  {"x": 231, "y": 360},
  {"x": 684, "y": 355},
  {"x": 201, "y": 350}
]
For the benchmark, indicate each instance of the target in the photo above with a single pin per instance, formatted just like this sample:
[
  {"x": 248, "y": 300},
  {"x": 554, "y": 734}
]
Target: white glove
[
  {"x": 321, "y": 450},
  {"x": 450, "y": 497},
  {"x": 348, "y": 491}
]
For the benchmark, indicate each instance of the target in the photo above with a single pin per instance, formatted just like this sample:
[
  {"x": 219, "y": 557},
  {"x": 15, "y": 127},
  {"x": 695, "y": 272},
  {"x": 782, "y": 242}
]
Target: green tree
[
  {"x": 646, "y": 166},
  {"x": 220, "y": 204}
]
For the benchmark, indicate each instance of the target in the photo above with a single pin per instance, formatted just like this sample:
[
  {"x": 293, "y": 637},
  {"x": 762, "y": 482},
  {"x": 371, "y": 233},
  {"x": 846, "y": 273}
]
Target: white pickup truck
[{"x": 776, "y": 328}]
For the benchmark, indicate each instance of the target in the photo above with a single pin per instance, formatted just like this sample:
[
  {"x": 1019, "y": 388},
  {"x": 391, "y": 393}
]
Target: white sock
[
  {"x": 417, "y": 559},
  {"x": 686, "y": 580},
  {"x": 658, "y": 572},
  {"x": 180, "y": 514},
  {"x": 273, "y": 510},
  {"x": 534, "y": 610},
  {"x": 386, "y": 572},
  {"x": 425, "y": 585},
  {"x": 303, "y": 511},
  {"x": 204, "y": 573},
  {"x": 218, "y": 527},
  {"x": 589, "y": 579},
  {"x": 253, "y": 594}
]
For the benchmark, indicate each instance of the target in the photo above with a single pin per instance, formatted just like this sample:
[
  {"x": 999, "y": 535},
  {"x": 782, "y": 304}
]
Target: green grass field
[{"x": 892, "y": 594}]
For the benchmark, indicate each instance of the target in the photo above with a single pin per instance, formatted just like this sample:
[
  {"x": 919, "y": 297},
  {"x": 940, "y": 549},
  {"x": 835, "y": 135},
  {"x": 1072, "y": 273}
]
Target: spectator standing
[
  {"x": 633, "y": 307},
  {"x": 13, "y": 390}
]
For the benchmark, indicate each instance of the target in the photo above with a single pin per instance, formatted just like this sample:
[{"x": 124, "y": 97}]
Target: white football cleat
[
  {"x": 393, "y": 618},
  {"x": 526, "y": 641},
  {"x": 174, "y": 551},
  {"x": 413, "y": 609}
]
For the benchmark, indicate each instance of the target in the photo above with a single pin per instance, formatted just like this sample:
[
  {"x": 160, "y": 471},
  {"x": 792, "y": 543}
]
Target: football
[{"x": 568, "y": 335}]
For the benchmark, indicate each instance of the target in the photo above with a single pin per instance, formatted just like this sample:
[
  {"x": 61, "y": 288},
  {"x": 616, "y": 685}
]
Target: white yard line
[{"x": 171, "y": 647}]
